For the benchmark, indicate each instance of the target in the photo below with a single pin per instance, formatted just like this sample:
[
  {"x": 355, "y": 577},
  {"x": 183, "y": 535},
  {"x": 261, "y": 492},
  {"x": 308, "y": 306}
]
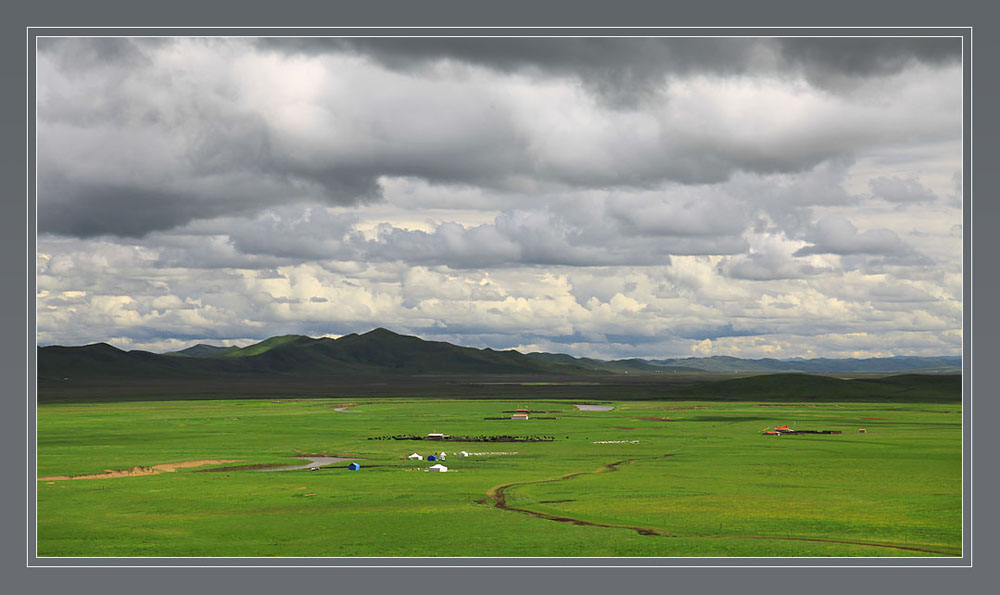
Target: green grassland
[{"x": 724, "y": 489}]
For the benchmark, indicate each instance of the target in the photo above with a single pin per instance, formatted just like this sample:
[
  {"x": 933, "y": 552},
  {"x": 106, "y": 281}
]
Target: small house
[
  {"x": 441, "y": 456},
  {"x": 354, "y": 466},
  {"x": 431, "y": 458},
  {"x": 519, "y": 416},
  {"x": 862, "y": 431},
  {"x": 438, "y": 468},
  {"x": 435, "y": 436},
  {"x": 415, "y": 457}
]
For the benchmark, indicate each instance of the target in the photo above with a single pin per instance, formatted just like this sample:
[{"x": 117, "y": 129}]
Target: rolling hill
[
  {"x": 377, "y": 352},
  {"x": 381, "y": 362}
]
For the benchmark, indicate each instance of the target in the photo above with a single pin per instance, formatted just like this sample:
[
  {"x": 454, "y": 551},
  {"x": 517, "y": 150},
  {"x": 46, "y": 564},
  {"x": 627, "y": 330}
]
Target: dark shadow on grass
[{"x": 727, "y": 418}]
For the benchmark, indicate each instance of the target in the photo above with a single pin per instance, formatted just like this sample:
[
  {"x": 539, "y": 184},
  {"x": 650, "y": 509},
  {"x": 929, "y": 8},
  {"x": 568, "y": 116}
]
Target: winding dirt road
[
  {"x": 313, "y": 462},
  {"x": 499, "y": 496}
]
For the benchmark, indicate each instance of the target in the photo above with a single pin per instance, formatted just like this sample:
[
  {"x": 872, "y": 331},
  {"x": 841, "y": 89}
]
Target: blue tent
[
  {"x": 354, "y": 466},
  {"x": 431, "y": 458}
]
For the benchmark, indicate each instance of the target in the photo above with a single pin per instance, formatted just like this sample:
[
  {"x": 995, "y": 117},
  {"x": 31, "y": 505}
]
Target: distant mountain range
[
  {"x": 882, "y": 365},
  {"x": 383, "y": 352}
]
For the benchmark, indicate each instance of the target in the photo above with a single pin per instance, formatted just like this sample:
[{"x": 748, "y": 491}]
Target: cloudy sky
[{"x": 795, "y": 197}]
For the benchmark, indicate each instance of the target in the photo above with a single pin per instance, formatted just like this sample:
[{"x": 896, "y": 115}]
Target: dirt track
[
  {"x": 499, "y": 496},
  {"x": 136, "y": 471},
  {"x": 312, "y": 462}
]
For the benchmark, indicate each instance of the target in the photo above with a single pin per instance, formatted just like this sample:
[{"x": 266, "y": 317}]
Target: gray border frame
[
  {"x": 18, "y": 364},
  {"x": 424, "y": 562}
]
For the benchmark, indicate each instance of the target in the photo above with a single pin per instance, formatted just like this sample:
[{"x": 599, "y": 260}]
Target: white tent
[
  {"x": 441, "y": 456},
  {"x": 415, "y": 457},
  {"x": 463, "y": 454},
  {"x": 438, "y": 468}
]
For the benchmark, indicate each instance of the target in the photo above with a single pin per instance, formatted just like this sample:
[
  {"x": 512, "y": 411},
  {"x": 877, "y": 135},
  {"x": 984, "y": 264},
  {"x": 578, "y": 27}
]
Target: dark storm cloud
[
  {"x": 137, "y": 136},
  {"x": 98, "y": 52},
  {"x": 113, "y": 210},
  {"x": 82, "y": 208},
  {"x": 618, "y": 70},
  {"x": 834, "y": 61},
  {"x": 622, "y": 70},
  {"x": 126, "y": 148}
]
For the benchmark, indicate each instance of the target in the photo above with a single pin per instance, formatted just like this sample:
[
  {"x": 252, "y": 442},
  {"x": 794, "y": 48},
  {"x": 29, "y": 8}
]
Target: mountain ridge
[
  {"x": 376, "y": 352},
  {"x": 382, "y": 351}
]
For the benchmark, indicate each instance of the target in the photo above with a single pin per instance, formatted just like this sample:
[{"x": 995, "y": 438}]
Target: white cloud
[{"x": 766, "y": 202}]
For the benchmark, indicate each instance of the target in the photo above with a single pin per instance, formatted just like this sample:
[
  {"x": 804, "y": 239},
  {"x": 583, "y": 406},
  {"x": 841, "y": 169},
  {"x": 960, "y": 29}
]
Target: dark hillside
[
  {"x": 806, "y": 387},
  {"x": 202, "y": 350},
  {"x": 378, "y": 352},
  {"x": 384, "y": 363},
  {"x": 878, "y": 365}
]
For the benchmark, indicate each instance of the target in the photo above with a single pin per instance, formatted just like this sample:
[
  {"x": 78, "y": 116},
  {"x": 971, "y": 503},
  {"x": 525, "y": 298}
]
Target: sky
[{"x": 602, "y": 197}]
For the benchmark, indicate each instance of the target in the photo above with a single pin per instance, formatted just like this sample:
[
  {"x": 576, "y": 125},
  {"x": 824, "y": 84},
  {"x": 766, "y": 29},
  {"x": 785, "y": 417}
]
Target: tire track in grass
[{"x": 499, "y": 496}]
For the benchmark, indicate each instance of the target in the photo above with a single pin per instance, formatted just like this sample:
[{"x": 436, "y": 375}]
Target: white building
[
  {"x": 463, "y": 454},
  {"x": 438, "y": 468},
  {"x": 415, "y": 457},
  {"x": 441, "y": 456}
]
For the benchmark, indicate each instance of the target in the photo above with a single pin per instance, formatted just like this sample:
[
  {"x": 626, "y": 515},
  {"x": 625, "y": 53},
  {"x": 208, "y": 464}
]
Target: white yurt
[
  {"x": 415, "y": 457},
  {"x": 441, "y": 456},
  {"x": 438, "y": 468},
  {"x": 463, "y": 454}
]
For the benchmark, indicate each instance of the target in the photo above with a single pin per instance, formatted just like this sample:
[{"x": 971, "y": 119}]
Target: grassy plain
[{"x": 725, "y": 490}]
